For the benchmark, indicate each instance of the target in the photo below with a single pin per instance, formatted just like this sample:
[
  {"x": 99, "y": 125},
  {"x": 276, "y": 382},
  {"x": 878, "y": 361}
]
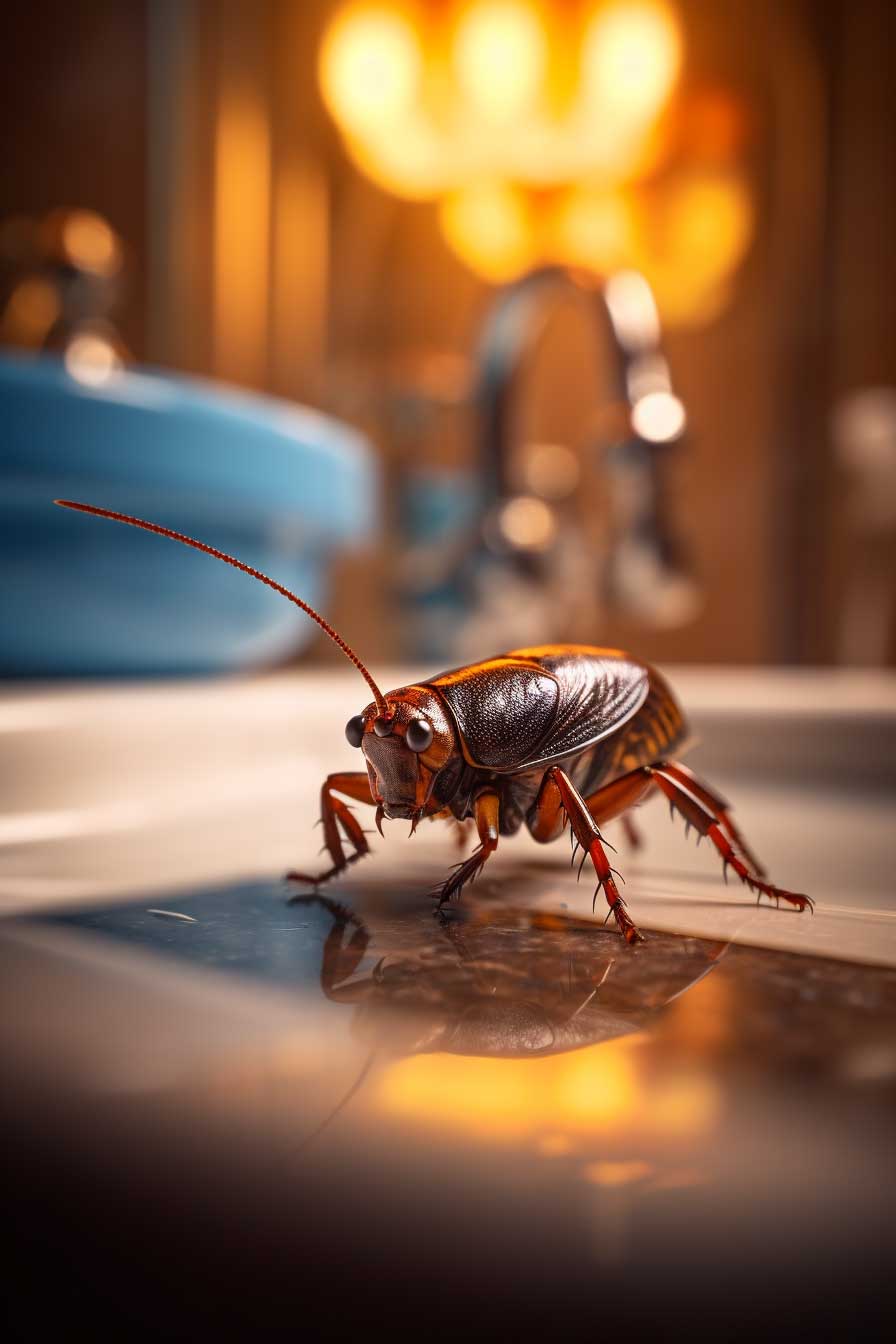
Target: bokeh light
[
  {"x": 659, "y": 417},
  {"x": 370, "y": 67},
  {"x": 500, "y": 57},
  {"x": 633, "y": 310},
  {"x": 631, "y": 54},
  {"x": 488, "y": 226},
  {"x": 551, "y": 470},
  {"x": 415, "y": 165},
  {"x": 547, "y": 135},
  {"x": 32, "y": 309},
  {"x": 593, "y": 228},
  {"x": 527, "y": 523},
  {"x": 91, "y": 359},
  {"x": 90, "y": 243}
]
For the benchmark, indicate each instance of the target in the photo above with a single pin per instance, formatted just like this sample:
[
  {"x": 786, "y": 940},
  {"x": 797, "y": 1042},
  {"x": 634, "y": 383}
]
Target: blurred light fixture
[
  {"x": 548, "y": 131},
  {"x": 500, "y": 54},
  {"x": 631, "y": 55},
  {"x": 370, "y": 66}
]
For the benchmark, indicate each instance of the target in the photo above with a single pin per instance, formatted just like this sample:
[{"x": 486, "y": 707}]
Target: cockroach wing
[
  {"x": 503, "y": 708},
  {"x": 599, "y": 691}
]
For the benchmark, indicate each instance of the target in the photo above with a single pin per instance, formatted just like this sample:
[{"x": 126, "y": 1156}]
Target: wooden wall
[{"x": 195, "y": 127}]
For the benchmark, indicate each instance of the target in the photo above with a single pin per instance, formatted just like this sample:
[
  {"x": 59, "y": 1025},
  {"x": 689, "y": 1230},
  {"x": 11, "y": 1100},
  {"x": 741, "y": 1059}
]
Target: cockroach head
[{"x": 405, "y": 748}]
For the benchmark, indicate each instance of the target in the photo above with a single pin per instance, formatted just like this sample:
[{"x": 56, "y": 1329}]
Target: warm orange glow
[
  {"x": 631, "y": 54},
  {"x": 602, "y": 1090},
  {"x": 584, "y": 1090},
  {"x": 32, "y": 309},
  {"x": 551, "y": 470},
  {"x": 499, "y": 101},
  {"x": 500, "y": 56},
  {"x": 713, "y": 125},
  {"x": 611, "y": 1174},
  {"x": 415, "y": 165},
  {"x": 543, "y": 135},
  {"x": 686, "y": 1104},
  {"x": 242, "y": 230},
  {"x": 593, "y": 228},
  {"x": 370, "y": 66},
  {"x": 708, "y": 223},
  {"x": 488, "y": 226},
  {"x": 90, "y": 243},
  {"x": 527, "y": 523},
  {"x": 555, "y": 1145},
  {"x": 694, "y": 235}
]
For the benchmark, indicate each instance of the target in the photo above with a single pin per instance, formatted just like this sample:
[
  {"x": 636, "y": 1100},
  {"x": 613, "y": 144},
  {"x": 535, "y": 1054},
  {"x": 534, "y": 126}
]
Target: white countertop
[{"x": 131, "y": 790}]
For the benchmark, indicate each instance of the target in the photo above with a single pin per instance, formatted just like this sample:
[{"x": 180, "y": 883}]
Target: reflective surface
[
  {"x": 212, "y": 1100},
  {"x": 513, "y": 1094}
]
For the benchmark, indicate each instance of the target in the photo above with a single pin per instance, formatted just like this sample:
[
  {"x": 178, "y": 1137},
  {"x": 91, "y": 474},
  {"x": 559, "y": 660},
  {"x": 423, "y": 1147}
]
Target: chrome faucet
[
  {"x": 491, "y": 556},
  {"x": 640, "y": 571}
]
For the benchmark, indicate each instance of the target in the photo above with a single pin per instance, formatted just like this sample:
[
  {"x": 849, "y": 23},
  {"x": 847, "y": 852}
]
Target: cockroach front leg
[
  {"x": 557, "y": 797},
  {"x": 485, "y": 813},
  {"x": 336, "y": 816}
]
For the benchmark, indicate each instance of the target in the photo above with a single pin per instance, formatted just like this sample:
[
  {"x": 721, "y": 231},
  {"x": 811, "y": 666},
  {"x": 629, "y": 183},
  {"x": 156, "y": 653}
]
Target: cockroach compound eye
[
  {"x": 538, "y": 737},
  {"x": 354, "y": 730},
  {"x": 418, "y": 735}
]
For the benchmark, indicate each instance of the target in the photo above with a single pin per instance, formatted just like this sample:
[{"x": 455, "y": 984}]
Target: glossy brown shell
[{"x": 535, "y": 706}]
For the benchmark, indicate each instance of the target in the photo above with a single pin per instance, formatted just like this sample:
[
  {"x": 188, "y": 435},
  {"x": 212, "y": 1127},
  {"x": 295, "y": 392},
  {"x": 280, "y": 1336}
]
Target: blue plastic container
[{"x": 276, "y": 485}]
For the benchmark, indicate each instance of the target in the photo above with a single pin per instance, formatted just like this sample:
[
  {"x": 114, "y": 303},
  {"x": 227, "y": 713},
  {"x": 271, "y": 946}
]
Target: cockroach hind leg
[{"x": 627, "y": 927}]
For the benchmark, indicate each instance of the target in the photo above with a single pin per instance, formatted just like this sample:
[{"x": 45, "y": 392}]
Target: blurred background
[{"x": 606, "y": 288}]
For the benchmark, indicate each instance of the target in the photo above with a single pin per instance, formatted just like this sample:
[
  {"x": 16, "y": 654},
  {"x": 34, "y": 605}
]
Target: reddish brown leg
[
  {"x": 632, "y": 834},
  {"x": 485, "y": 812},
  {"x": 717, "y": 805},
  {"x": 696, "y": 813},
  {"x": 335, "y": 814},
  {"x": 557, "y": 797}
]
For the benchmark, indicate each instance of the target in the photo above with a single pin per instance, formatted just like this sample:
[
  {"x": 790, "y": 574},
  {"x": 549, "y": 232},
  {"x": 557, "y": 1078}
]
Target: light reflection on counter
[{"x": 602, "y": 1090}]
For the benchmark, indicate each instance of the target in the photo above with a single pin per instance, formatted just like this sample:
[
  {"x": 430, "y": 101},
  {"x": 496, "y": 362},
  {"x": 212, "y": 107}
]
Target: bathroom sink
[{"x": 276, "y": 484}]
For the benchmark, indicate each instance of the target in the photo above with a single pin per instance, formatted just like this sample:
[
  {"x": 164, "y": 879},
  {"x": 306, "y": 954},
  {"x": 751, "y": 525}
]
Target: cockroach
[{"x": 541, "y": 737}]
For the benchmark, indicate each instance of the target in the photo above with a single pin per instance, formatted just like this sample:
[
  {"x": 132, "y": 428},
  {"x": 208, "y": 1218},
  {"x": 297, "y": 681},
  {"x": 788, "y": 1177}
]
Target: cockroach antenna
[{"x": 382, "y": 708}]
